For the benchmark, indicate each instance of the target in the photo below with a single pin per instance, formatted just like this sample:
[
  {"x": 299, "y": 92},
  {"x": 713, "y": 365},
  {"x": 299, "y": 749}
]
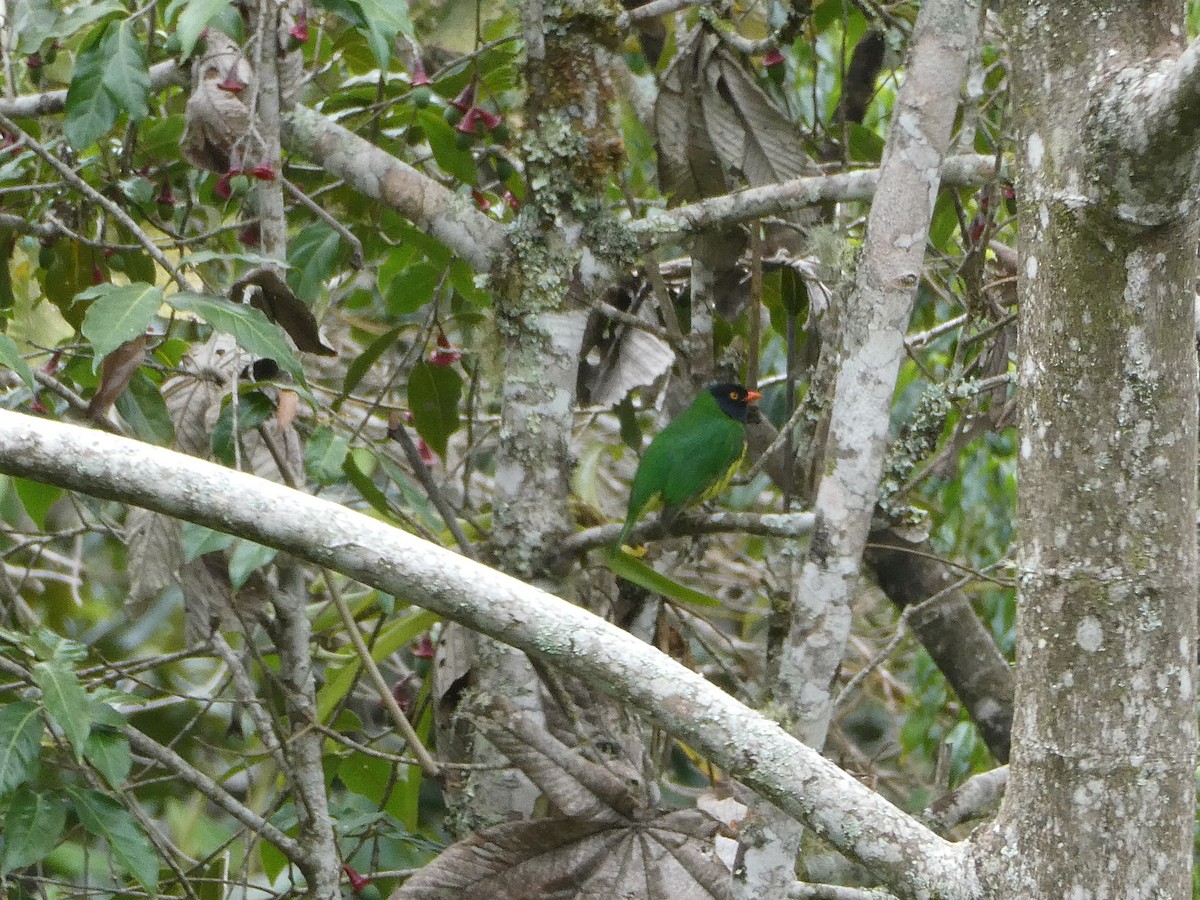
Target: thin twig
[{"x": 428, "y": 764}]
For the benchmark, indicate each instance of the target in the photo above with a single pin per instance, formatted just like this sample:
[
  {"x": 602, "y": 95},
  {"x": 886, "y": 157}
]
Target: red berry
[
  {"x": 491, "y": 120},
  {"x": 425, "y": 453},
  {"x": 232, "y": 83},
  {"x": 465, "y": 99},
  {"x": 419, "y": 77},
  {"x": 423, "y": 648},
  {"x": 298, "y": 33},
  {"x": 263, "y": 172},
  {"x": 357, "y": 882},
  {"x": 773, "y": 58}
]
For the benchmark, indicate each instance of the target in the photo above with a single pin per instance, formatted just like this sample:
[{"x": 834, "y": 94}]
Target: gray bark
[{"x": 1101, "y": 794}]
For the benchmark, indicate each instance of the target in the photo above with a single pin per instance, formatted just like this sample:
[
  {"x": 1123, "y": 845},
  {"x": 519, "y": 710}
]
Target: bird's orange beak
[{"x": 752, "y": 396}]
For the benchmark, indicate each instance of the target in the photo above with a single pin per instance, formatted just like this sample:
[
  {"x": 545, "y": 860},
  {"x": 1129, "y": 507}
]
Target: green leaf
[
  {"x": 65, "y": 701},
  {"x": 132, "y": 850},
  {"x": 37, "y": 498},
  {"x": 84, "y": 15},
  {"x": 433, "y": 394},
  {"x": 108, "y": 751},
  {"x": 363, "y": 362},
  {"x": 379, "y": 20},
  {"x": 33, "y": 825},
  {"x": 246, "y": 559},
  {"x": 33, "y": 22},
  {"x": 253, "y": 408},
  {"x": 632, "y": 569},
  {"x": 91, "y": 108},
  {"x": 126, "y": 76},
  {"x": 362, "y": 482},
  {"x": 253, "y": 331},
  {"x": 20, "y": 744},
  {"x": 10, "y": 358},
  {"x": 443, "y": 141},
  {"x": 324, "y": 455},
  {"x": 412, "y": 288},
  {"x": 391, "y": 638},
  {"x": 311, "y": 257},
  {"x": 117, "y": 313},
  {"x": 199, "y": 539},
  {"x": 194, "y": 19},
  {"x": 142, "y": 406}
]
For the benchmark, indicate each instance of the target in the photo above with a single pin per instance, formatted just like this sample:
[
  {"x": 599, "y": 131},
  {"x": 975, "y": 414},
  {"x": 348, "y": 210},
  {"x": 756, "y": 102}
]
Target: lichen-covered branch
[
  {"x": 796, "y": 193},
  {"x": 449, "y": 217}
]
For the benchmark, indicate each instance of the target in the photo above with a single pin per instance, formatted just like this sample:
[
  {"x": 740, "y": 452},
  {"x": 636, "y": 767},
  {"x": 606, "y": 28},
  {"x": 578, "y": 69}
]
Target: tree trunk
[{"x": 1101, "y": 794}]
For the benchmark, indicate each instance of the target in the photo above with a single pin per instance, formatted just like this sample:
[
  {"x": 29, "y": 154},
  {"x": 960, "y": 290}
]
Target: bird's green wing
[
  {"x": 702, "y": 459},
  {"x": 692, "y": 454}
]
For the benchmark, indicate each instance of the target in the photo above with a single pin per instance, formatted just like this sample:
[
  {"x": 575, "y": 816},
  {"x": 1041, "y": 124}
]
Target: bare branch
[{"x": 797, "y": 193}]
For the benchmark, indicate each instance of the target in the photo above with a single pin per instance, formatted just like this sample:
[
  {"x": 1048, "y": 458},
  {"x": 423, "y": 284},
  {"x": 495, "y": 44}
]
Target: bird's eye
[{"x": 733, "y": 395}]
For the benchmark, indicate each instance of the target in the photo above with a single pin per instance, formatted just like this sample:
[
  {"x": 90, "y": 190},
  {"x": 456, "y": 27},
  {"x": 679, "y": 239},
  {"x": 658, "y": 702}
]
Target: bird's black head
[{"x": 733, "y": 399}]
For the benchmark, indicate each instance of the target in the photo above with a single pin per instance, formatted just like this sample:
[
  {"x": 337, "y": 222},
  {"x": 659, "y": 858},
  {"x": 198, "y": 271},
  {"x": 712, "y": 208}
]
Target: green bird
[{"x": 693, "y": 459}]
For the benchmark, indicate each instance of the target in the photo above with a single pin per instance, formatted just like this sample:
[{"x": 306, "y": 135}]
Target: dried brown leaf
[
  {"x": 270, "y": 293},
  {"x": 115, "y": 373}
]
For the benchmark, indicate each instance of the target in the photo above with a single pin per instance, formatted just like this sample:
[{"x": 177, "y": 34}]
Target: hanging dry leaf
[
  {"x": 115, "y": 373},
  {"x": 270, "y": 293},
  {"x": 717, "y": 130}
]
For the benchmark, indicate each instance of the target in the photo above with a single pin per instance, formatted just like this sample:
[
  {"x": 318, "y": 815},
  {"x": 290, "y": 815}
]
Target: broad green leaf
[
  {"x": 126, "y": 76},
  {"x": 91, "y": 108},
  {"x": 433, "y": 394},
  {"x": 391, "y": 638},
  {"x": 324, "y": 455},
  {"x": 443, "y": 141},
  {"x": 194, "y": 19},
  {"x": 66, "y": 269},
  {"x": 246, "y": 559},
  {"x": 253, "y": 409},
  {"x": 65, "y": 701},
  {"x": 118, "y": 313},
  {"x": 362, "y": 482},
  {"x": 33, "y": 22},
  {"x": 384, "y": 19},
  {"x": 10, "y": 358},
  {"x": 132, "y": 850},
  {"x": 33, "y": 825},
  {"x": 412, "y": 288},
  {"x": 142, "y": 406},
  {"x": 83, "y": 15},
  {"x": 253, "y": 331},
  {"x": 634, "y": 570},
  {"x": 37, "y": 498},
  {"x": 20, "y": 744},
  {"x": 108, "y": 751},
  {"x": 363, "y": 362},
  {"x": 200, "y": 539},
  {"x": 311, "y": 257},
  {"x": 56, "y": 648}
]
